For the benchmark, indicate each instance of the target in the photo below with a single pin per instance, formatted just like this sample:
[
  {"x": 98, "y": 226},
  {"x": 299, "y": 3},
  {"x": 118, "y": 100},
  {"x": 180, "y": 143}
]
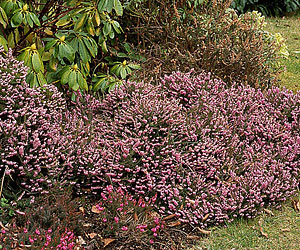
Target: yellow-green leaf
[
  {"x": 36, "y": 62},
  {"x": 80, "y": 22}
]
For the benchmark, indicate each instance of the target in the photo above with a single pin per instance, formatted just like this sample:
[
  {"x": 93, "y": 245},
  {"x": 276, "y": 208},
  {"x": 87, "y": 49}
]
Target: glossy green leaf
[
  {"x": 73, "y": 81},
  {"x": 41, "y": 79},
  {"x": 80, "y": 22},
  {"x": 81, "y": 81},
  {"x": 134, "y": 66},
  {"x": 102, "y": 5},
  {"x": 118, "y": 7},
  {"x": 106, "y": 28},
  {"x": 99, "y": 84},
  {"x": 89, "y": 46},
  {"x": 28, "y": 19},
  {"x": 65, "y": 77},
  {"x": 35, "y": 82},
  {"x": 3, "y": 43},
  {"x": 35, "y": 19},
  {"x": 123, "y": 72},
  {"x": 50, "y": 44},
  {"x": 36, "y": 62},
  {"x": 104, "y": 47},
  {"x": 83, "y": 53},
  {"x": 3, "y": 18},
  {"x": 116, "y": 26},
  {"x": 68, "y": 52},
  {"x": 109, "y": 6},
  {"x": 17, "y": 19}
]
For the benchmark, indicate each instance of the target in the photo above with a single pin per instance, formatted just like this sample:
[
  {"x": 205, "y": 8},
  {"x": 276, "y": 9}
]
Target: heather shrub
[
  {"x": 30, "y": 122},
  {"x": 209, "y": 152},
  {"x": 206, "y": 149},
  {"x": 48, "y": 223},
  {"x": 122, "y": 216}
]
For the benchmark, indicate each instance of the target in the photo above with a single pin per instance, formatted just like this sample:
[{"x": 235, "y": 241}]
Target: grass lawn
[
  {"x": 280, "y": 229},
  {"x": 289, "y": 27}
]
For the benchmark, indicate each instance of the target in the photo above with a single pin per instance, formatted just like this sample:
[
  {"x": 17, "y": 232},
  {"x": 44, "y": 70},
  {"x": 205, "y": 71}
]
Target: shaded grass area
[
  {"x": 282, "y": 227},
  {"x": 289, "y": 27},
  {"x": 280, "y": 231}
]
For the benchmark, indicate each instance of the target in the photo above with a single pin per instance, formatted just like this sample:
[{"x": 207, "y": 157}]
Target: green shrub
[{"x": 68, "y": 43}]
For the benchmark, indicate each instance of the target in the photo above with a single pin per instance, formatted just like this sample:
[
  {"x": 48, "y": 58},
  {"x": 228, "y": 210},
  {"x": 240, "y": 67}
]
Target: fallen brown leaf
[
  {"x": 285, "y": 230},
  {"x": 107, "y": 241},
  {"x": 95, "y": 210},
  {"x": 193, "y": 237},
  {"x": 268, "y": 211},
  {"x": 92, "y": 235},
  {"x": 135, "y": 217},
  {"x": 296, "y": 205},
  {"x": 3, "y": 227},
  {"x": 260, "y": 223},
  {"x": 169, "y": 217},
  {"x": 174, "y": 223},
  {"x": 205, "y": 217},
  {"x": 263, "y": 233},
  {"x": 206, "y": 232}
]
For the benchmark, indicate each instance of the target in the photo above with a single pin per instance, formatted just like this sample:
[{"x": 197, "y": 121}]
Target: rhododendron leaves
[
  {"x": 37, "y": 62},
  {"x": 107, "y": 241},
  {"x": 81, "y": 81},
  {"x": 17, "y": 19}
]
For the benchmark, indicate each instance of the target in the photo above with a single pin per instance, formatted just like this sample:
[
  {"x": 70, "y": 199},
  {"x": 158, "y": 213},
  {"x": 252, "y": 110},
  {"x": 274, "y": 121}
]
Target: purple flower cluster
[{"x": 211, "y": 153}]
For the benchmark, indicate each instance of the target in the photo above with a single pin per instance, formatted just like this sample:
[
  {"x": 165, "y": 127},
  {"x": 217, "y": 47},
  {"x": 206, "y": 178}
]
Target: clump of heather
[
  {"x": 49, "y": 223},
  {"x": 121, "y": 215},
  {"x": 30, "y": 121},
  {"x": 208, "y": 151}
]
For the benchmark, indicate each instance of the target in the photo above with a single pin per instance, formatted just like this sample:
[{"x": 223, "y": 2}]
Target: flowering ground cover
[{"x": 187, "y": 152}]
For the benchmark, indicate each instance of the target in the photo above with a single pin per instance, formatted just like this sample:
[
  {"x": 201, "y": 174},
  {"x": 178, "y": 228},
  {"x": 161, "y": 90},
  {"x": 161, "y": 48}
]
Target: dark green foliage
[{"x": 267, "y": 7}]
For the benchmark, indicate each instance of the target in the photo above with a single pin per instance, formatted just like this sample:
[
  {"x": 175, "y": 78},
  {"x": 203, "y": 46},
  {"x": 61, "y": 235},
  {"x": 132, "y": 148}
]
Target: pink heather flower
[
  {"x": 151, "y": 241},
  {"x": 117, "y": 219},
  {"x": 25, "y": 230},
  {"x": 31, "y": 240},
  {"x": 3, "y": 231},
  {"x": 37, "y": 231},
  {"x": 104, "y": 220},
  {"x": 156, "y": 220},
  {"x": 124, "y": 228},
  {"x": 49, "y": 230}
]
